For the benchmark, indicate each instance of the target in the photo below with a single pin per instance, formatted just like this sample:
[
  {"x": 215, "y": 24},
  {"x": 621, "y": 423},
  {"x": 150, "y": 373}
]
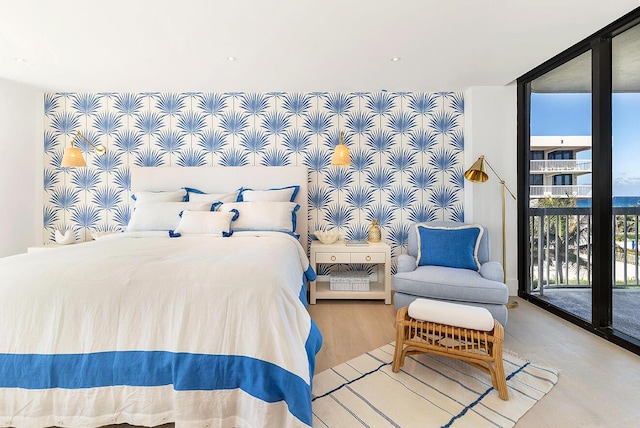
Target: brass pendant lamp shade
[
  {"x": 477, "y": 172},
  {"x": 341, "y": 155},
  {"x": 72, "y": 157}
]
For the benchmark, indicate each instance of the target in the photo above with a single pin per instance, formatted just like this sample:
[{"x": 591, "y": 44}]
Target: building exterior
[{"x": 556, "y": 169}]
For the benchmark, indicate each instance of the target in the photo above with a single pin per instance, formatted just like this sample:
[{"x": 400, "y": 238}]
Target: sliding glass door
[
  {"x": 625, "y": 53},
  {"x": 579, "y": 183},
  {"x": 560, "y": 187}
]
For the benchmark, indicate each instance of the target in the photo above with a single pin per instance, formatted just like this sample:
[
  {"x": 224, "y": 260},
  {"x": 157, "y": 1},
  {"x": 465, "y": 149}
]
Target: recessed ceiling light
[
  {"x": 231, "y": 58},
  {"x": 19, "y": 59},
  {"x": 396, "y": 59}
]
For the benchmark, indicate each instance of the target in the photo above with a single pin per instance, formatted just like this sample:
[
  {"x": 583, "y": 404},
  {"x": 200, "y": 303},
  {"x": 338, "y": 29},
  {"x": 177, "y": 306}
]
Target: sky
[{"x": 570, "y": 115}]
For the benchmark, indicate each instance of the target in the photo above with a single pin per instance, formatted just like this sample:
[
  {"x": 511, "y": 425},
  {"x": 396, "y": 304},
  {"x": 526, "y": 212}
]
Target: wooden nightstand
[{"x": 376, "y": 253}]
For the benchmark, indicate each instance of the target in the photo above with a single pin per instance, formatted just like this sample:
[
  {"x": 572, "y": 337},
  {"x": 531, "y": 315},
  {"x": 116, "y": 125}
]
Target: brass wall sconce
[
  {"x": 341, "y": 155},
  {"x": 72, "y": 157}
]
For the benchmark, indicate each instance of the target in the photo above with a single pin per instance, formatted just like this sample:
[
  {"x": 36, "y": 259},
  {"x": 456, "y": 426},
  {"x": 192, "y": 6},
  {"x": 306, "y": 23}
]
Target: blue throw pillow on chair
[{"x": 455, "y": 247}]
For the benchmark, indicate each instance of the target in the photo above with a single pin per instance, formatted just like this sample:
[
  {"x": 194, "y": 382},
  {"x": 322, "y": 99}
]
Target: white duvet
[{"x": 144, "y": 330}]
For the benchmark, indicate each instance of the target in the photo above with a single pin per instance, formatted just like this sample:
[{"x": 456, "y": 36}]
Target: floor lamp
[{"x": 477, "y": 174}]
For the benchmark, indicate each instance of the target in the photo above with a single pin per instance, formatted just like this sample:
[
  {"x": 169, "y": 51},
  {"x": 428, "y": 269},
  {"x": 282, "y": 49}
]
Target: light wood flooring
[{"x": 599, "y": 382}]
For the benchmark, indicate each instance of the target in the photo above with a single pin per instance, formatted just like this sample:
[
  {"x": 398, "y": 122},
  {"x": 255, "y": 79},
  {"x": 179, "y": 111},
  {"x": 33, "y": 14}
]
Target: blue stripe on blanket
[
  {"x": 184, "y": 371},
  {"x": 314, "y": 340}
]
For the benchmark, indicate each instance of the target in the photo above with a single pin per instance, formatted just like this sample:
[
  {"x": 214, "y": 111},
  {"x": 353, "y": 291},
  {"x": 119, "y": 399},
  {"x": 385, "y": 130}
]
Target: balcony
[
  {"x": 560, "y": 257},
  {"x": 560, "y": 166},
  {"x": 576, "y": 191}
]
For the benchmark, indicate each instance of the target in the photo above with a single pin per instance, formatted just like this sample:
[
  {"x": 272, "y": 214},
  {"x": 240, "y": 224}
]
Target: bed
[{"x": 145, "y": 329}]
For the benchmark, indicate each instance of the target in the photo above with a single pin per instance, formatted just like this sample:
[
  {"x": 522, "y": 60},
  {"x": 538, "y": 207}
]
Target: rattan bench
[{"x": 481, "y": 349}]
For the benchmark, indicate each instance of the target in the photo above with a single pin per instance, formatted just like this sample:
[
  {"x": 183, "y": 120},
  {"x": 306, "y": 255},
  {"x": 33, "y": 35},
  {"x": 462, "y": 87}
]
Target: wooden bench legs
[{"x": 481, "y": 349}]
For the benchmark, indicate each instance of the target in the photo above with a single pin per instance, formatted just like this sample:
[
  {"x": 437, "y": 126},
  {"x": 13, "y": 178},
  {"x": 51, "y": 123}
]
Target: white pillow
[
  {"x": 148, "y": 196},
  {"x": 283, "y": 194},
  {"x": 205, "y": 223},
  {"x": 212, "y": 197},
  {"x": 161, "y": 215},
  {"x": 264, "y": 215}
]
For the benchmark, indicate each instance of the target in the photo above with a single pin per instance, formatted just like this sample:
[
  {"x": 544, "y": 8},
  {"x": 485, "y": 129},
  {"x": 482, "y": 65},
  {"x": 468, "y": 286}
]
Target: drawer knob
[
  {"x": 368, "y": 258},
  {"x": 333, "y": 258}
]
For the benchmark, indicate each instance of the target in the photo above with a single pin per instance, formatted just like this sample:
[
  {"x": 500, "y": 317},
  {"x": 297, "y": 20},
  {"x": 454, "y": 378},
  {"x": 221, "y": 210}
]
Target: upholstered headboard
[{"x": 220, "y": 179}]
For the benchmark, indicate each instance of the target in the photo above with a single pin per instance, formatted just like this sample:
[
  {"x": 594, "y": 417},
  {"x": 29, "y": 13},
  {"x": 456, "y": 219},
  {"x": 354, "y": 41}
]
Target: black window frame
[{"x": 599, "y": 44}]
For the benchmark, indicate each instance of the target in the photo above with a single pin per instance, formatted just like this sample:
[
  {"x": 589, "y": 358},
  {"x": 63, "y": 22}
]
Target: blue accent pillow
[{"x": 455, "y": 247}]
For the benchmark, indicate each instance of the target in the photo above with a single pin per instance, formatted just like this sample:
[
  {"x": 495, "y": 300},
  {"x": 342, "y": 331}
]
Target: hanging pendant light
[{"x": 341, "y": 155}]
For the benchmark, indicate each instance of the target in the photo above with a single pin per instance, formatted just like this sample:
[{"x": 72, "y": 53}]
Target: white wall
[
  {"x": 491, "y": 130},
  {"x": 21, "y": 112}
]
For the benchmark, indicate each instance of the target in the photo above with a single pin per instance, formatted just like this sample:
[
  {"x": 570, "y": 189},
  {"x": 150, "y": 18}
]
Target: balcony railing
[
  {"x": 559, "y": 166},
  {"x": 560, "y": 248},
  {"x": 576, "y": 191}
]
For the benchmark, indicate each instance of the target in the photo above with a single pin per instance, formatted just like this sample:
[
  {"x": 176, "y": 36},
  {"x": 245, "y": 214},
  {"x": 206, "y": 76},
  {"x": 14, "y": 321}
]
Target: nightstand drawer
[
  {"x": 377, "y": 257},
  {"x": 333, "y": 257},
  {"x": 367, "y": 258}
]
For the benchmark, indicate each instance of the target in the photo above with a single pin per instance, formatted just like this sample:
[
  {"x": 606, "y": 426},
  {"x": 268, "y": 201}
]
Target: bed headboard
[{"x": 225, "y": 179}]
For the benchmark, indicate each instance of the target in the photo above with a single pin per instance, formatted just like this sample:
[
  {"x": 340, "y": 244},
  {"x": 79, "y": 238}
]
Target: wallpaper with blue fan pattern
[{"x": 406, "y": 151}]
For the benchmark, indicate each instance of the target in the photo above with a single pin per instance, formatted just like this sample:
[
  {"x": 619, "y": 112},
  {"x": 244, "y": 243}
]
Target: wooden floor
[{"x": 599, "y": 382}]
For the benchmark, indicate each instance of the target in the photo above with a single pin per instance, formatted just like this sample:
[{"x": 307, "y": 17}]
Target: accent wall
[{"x": 407, "y": 152}]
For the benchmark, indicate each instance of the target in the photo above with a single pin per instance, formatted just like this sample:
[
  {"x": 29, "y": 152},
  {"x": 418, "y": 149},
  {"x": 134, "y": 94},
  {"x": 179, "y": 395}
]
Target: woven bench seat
[{"x": 481, "y": 349}]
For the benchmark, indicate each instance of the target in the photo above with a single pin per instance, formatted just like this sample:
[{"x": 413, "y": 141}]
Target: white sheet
[{"x": 237, "y": 296}]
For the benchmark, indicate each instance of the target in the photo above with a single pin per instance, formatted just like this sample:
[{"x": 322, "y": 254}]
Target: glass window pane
[
  {"x": 560, "y": 201},
  {"x": 626, "y": 179}
]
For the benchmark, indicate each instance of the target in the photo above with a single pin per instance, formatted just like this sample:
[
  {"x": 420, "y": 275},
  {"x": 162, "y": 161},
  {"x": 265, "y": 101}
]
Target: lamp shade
[
  {"x": 341, "y": 155},
  {"x": 477, "y": 172},
  {"x": 72, "y": 158}
]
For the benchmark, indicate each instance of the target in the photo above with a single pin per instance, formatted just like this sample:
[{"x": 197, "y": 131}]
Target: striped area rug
[{"x": 429, "y": 391}]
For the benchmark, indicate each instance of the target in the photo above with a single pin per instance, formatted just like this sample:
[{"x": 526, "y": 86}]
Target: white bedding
[{"x": 146, "y": 330}]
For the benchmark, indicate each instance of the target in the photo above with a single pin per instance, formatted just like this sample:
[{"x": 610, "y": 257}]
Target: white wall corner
[
  {"x": 491, "y": 130},
  {"x": 21, "y": 106}
]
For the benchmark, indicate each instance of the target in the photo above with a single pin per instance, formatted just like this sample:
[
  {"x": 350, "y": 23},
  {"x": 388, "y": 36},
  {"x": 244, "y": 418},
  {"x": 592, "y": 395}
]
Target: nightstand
[{"x": 376, "y": 253}]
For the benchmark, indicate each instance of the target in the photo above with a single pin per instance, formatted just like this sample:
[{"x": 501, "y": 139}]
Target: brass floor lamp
[{"x": 478, "y": 174}]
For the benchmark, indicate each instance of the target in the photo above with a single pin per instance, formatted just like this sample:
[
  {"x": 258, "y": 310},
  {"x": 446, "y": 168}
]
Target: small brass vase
[{"x": 374, "y": 234}]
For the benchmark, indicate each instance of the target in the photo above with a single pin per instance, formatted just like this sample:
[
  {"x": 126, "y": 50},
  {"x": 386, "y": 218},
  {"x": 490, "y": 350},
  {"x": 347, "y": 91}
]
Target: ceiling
[{"x": 288, "y": 45}]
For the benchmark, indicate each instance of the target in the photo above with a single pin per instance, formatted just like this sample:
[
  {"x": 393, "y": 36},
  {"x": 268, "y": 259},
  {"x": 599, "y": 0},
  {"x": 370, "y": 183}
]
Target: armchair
[{"x": 480, "y": 285}]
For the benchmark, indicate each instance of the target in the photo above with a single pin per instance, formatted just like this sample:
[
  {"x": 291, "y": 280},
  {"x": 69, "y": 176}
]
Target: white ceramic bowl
[{"x": 327, "y": 236}]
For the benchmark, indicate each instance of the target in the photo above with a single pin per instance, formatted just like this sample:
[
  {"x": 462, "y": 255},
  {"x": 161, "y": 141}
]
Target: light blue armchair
[{"x": 483, "y": 287}]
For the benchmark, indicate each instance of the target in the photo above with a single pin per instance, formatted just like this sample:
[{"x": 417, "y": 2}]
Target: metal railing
[
  {"x": 551, "y": 191},
  {"x": 559, "y": 166},
  {"x": 560, "y": 248}
]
